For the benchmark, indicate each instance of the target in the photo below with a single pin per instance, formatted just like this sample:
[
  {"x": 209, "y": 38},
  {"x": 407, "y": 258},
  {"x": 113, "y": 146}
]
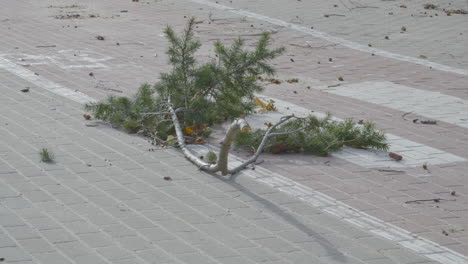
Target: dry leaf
[
  {"x": 395, "y": 156},
  {"x": 340, "y": 79},
  {"x": 86, "y": 116},
  {"x": 199, "y": 141},
  {"x": 167, "y": 178}
]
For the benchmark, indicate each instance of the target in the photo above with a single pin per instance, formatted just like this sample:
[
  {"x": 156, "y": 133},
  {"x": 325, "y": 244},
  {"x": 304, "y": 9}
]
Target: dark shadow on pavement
[{"x": 275, "y": 209}]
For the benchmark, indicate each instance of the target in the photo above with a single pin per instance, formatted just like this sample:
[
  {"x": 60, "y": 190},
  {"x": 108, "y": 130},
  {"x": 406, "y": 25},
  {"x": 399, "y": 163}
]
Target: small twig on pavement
[
  {"x": 436, "y": 200},
  {"x": 47, "y": 46},
  {"x": 387, "y": 170},
  {"x": 405, "y": 114}
]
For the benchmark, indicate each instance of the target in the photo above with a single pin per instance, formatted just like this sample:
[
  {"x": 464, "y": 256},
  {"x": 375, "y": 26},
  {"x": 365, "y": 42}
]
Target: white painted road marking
[
  {"x": 338, "y": 40},
  {"x": 433, "y": 105},
  {"x": 415, "y": 154},
  {"x": 324, "y": 202},
  {"x": 346, "y": 213},
  {"x": 44, "y": 83}
]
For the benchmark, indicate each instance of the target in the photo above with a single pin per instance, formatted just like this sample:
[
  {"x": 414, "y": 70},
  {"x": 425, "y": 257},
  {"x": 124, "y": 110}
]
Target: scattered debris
[
  {"x": 68, "y": 16},
  {"x": 403, "y": 29},
  {"x": 452, "y": 230},
  {"x": 360, "y": 122},
  {"x": 388, "y": 170},
  {"x": 123, "y": 11},
  {"x": 25, "y": 90},
  {"x": 86, "y": 116},
  {"x": 453, "y": 193},
  {"x": 405, "y": 114},
  {"x": 293, "y": 80},
  {"x": 99, "y": 37},
  {"x": 386, "y": 37},
  {"x": 428, "y": 122},
  {"x": 91, "y": 74},
  {"x": 329, "y": 15},
  {"x": 292, "y": 60},
  {"x": 271, "y": 80},
  {"x": 340, "y": 79},
  {"x": 435, "y": 200},
  {"x": 403, "y": 6},
  {"x": 430, "y": 6},
  {"x": 167, "y": 178},
  {"x": 47, "y": 46},
  {"x": 425, "y": 166},
  {"x": 370, "y": 45},
  {"x": 422, "y": 57},
  {"x": 334, "y": 85},
  {"x": 395, "y": 156}
]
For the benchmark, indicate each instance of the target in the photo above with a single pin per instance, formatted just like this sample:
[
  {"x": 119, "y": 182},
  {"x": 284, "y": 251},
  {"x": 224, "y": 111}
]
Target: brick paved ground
[
  {"x": 28, "y": 27},
  {"x": 104, "y": 200}
]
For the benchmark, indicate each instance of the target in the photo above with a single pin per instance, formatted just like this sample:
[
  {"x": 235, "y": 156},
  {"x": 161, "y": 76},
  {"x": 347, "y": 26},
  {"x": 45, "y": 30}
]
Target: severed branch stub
[{"x": 222, "y": 163}]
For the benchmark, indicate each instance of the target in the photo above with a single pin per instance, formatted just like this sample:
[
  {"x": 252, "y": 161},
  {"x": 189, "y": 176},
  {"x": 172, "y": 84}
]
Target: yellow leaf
[
  {"x": 188, "y": 131},
  {"x": 265, "y": 107},
  {"x": 260, "y": 103}
]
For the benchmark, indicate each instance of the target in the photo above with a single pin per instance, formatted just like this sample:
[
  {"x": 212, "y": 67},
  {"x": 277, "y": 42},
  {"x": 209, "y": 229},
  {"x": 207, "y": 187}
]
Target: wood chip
[{"x": 395, "y": 156}]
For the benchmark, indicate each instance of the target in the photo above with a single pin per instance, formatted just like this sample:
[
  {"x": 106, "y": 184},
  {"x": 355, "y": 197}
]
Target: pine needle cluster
[
  {"x": 320, "y": 136},
  {"x": 209, "y": 93}
]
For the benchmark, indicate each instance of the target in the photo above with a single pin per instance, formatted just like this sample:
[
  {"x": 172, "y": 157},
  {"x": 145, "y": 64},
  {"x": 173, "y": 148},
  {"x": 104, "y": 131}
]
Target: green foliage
[
  {"x": 209, "y": 93},
  {"x": 132, "y": 114},
  {"x": 211, "y": 157},
  {"x": 320, "y": 136},
  {"x": 218, "y": 90},
  {"x": 46, "y": 155}
]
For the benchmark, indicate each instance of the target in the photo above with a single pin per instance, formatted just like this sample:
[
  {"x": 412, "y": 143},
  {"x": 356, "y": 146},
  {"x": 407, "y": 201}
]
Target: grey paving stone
[
  {"x": 118, "y": 230},
  {"x": 6, "y": 241},
  {"x": 92, "y": 258},
  {"x": 95, "y": 240},
  {"x": 11, "y": 220},
  {"x": 58, "y": 236},
  {"x": 217, "y": 250},
  {"x": 52, "y": 258},
  {"x": 114, "y": 253},
  {"x": 155, "y": 256},
  {"x": 21, "y": 232},
  {"x": 175, "y": 246},
  {"x": 134, "y": 243},
  {"x": 195, "y": 258},
  {"x": 14, "y": 254},
  {"x": 81, "y": 227},
  {"x": 73, "y": 249},
  {"x": 36, "y": 245},
  {"x": 258, "y": 254},
  {"x": 157, "y": 234}
]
